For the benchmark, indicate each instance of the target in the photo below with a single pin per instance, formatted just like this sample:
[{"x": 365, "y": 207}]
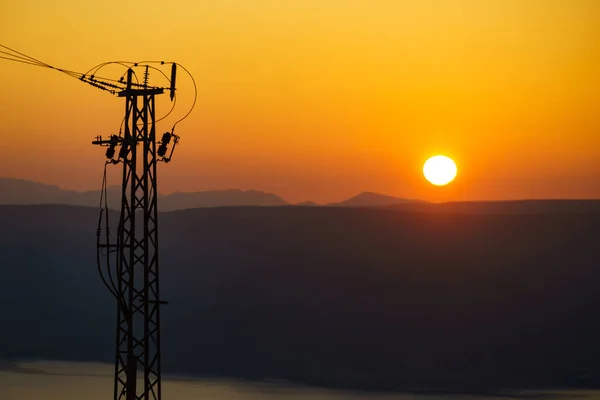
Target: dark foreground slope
[
  {"x": 510, "y": 207},
  {"x": 365, "y": 298}
]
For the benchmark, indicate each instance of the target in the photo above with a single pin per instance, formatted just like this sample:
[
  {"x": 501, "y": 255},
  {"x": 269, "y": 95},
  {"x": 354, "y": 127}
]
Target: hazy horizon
[{"x": 309, "y": 200}]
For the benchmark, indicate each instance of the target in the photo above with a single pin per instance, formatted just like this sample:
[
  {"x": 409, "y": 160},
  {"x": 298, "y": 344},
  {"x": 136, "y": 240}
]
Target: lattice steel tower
[
  {"x": 137, "y": 263},
  {"x": 134, "y": 280}
]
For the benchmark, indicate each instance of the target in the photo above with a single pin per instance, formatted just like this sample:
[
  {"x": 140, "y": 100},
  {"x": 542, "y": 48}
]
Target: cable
[
  {"x": 25, "y": 56},
  {"x": 174, "y": 97},
  {"x": 138, "y": 63},
  {"x": 33, "y": 61},
  {"x": 73, "y": 74},
  {"x": 112, "y": 289},
  {"x": 121, "y": 126},
  {"x": 110, "y": 277},
  {"x": 195, "y": 97},
  {"x": 93, "y": 80},
  {"x": 21, "y": 61},
  {"x": 24, "y": 59},
  {"x": 122, "y": 63},
  {"x": 106, "y": 84},
  {"x": 110, "y": 85},
  {"x": 170, "y": 111}
]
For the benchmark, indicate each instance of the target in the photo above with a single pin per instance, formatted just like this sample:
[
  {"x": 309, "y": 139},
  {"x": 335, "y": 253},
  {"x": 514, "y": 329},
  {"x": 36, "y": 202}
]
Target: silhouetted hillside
[
  {"x": 370, "y": 199},
  {"x": 366, "y": 298},
  {"x": 218, "y": 198},
  {"x": 18, "y": 191},
  {"x": 308, "y": 204},
  {"x": 509, "y": 207}
]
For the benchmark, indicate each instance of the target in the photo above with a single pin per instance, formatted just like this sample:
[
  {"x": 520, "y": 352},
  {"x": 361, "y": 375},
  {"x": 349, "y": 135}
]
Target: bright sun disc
[{"x": 439, "y": 170}]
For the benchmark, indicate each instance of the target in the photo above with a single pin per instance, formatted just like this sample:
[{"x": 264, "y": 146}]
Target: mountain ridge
[
  {"x": 21, "y": 191},
  {"x": 14, "y": 191},
  {"x": 370, "y": 199}
]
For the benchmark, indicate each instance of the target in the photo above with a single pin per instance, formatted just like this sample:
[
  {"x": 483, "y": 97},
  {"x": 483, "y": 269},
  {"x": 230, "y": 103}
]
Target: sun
[{"x": 440, "y": 170}]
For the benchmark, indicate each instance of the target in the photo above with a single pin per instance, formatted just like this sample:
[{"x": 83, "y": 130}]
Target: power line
[
  {"x": 110, "y": 85},
  {"x": 195, "y": 97}
]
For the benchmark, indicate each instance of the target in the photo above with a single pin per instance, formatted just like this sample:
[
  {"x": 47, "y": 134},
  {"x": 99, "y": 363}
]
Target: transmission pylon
[
  {"x": 137, "y": 363},
  {"x": 136, "y": 249}
]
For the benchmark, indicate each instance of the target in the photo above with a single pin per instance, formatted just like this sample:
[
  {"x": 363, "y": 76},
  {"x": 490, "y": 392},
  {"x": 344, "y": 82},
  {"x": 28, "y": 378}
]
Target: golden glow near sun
[{"x": 440, "y": 170}]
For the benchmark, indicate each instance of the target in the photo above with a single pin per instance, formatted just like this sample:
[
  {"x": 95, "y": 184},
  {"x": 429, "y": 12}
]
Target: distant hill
[
  {"x": 308, "y": 204},
  {"x": 349, "y": 297},
  {"x": 20, "y": 191},
  {"x": 370, "y": 199},
  {"x": 219, "y": 198}
]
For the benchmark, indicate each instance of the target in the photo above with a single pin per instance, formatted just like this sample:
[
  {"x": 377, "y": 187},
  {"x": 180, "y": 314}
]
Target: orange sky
[{"x": 320, "y": 99}]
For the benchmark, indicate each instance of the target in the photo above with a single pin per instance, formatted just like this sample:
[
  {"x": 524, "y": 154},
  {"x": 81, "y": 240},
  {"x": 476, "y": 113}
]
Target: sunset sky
[{"x": 320, "y": 99}]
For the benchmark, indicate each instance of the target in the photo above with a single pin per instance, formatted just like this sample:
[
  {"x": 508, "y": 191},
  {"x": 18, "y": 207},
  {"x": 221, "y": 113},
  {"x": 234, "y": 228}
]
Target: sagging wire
[
  {"x": 129, "y": 65},
  {"x": 110, "y": 284},
  {"x": 104, "y": 212},
  {"x": 24, "y": 58},
  {"x": 171, "y": 110},
  {"x": 99, "y": 82},
  {"x": 102, "y": 82},
  {"x": 174, "y": 97},
  {"x": 121, "y": 63},
  {"x": 17, "y": 58},
  {"x": 195, "y": 98},
  {"x": 138, "y": 63}
]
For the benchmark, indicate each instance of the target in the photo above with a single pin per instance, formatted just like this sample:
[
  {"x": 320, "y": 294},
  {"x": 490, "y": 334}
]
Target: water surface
[{"x": 47, "y": 380}]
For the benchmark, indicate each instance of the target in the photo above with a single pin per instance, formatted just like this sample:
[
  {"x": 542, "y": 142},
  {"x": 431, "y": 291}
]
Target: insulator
[
  {"x": 129, "y": 77},
  {"x": 166, "y": 138},
  {"x": 146, "y": 75},
  {"x": 106, "y": 84},
  {"x": 173, "y": 75},
  {"x": 162, "y": 150},
  {"x": 123, "y": 152}
]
